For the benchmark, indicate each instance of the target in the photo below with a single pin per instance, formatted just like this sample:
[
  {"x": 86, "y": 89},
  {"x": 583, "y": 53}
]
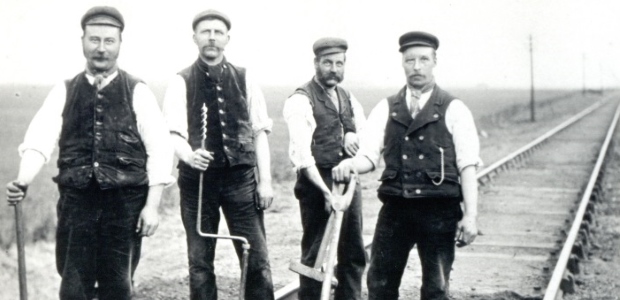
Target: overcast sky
[{"x": 482, "y": 42}]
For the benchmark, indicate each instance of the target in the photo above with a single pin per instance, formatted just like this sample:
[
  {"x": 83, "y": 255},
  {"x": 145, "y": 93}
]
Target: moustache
[
  {"x": 100, "y": 57},
  {"x": 333, "y": 76},
  {"x": 211, "y": 46}
]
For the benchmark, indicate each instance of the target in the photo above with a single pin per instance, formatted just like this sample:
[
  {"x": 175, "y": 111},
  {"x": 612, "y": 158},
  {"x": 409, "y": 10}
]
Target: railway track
[{"x": 535, "y": 210}]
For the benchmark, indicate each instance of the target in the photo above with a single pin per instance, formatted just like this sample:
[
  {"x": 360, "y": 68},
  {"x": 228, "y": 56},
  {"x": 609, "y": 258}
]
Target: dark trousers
[
  {"x": 402, "y": 223},
  {"x": 351, "y": 255},
  {"x": 234, "y": 190},
  {"x": 96, "y": 241}
]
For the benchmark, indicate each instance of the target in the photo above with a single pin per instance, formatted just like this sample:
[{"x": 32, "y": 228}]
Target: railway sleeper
[
  {"x": 573, "y": 264},
  {"x": 567, "y": 285},
  {"x": 591, "y": 207},
  {"x": 585, "y": 226},
  {"x": 579, "y": 249},
  {"x": 584, "y": 238}
]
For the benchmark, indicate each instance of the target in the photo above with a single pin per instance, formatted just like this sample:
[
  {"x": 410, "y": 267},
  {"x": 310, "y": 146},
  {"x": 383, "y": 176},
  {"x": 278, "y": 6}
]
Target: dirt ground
[{"x": 162, "y": 273}]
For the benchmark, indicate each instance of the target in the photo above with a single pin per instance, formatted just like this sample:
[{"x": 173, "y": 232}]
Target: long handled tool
[
  {"x": 21, "y": 255},
  {"x": 246, "y": 244},
  {"x": 329, "y": 245}
]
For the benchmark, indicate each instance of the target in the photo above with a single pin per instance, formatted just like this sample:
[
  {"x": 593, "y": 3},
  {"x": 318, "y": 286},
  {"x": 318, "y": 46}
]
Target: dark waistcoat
[
  {"x": 331, "y": 125},
  {"x": 100, "y": 135},
  {"x": 419, "y": 153},
  {"x": 229, "y": 130}
]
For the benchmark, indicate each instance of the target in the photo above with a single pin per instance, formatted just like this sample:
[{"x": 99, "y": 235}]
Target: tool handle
[
  {"x": 244, "y": 273},
  {"x": 331, "y": 257},
  {"x": 21, "y": 255}
]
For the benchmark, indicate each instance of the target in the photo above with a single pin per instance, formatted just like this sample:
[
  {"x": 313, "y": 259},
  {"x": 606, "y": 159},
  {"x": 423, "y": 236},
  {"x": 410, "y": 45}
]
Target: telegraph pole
[
  {"x": 600, "y": 67},
  {"x": 532, "y": 103},
  {"x": 583, "y": 66}
]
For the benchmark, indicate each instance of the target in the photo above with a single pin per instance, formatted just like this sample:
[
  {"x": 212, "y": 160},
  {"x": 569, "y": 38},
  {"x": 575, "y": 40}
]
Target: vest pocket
[
  {"x": 436, "y": 176},
  {"x": 388, "y": 174},
  {"x": 72, "y": 161},
  {"x": 128, "y": 139},
  {"x": 126, "y": 161},
  {"x": 246, "y": 147}
]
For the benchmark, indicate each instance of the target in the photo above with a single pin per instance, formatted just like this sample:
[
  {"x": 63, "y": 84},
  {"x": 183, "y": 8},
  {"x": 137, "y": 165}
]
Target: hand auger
[{"x": 246, "y": 244}]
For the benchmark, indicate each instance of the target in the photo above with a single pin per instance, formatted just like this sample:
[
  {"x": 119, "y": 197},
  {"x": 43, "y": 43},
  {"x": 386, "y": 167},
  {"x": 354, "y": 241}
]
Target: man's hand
[
  {"x": 342, "y": 172},
  {"x": 467, "y": 230},
  {"x": 199, "y": 159},
  {"x": 328, "y": 201},
  {"x": 148, "y": 221},
  {"x": 351, "y": 143},
  {"x": 15, "y": 192},
  {"x": 265, "y": 195}
]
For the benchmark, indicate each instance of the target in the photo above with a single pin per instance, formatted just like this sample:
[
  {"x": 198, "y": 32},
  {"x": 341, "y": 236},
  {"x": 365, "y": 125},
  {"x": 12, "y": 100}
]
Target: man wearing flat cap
[
  {"x": 429, "y": 143},
  {"x": 323, "y": 120},
  {"x": 236, "y": 145},
  {"x": 114, "y": 160}
]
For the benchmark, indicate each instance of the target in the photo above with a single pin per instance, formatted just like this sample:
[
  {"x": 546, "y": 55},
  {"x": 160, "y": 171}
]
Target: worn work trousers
[
  {"x": 429, "y": 223},
  {"x": 351, "y": 255},
  {"x": 234, "y": 190},
  {"x": 96, "y": 241}
]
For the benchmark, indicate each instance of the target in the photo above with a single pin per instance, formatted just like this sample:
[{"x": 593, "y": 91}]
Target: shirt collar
[
  {"x": 106, "y": 80},
  {"x": 423, "y": 98}
]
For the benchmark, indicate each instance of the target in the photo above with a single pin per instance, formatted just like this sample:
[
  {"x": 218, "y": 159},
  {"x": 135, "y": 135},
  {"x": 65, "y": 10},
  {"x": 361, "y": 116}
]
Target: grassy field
[{"x": 19, "y": 103}]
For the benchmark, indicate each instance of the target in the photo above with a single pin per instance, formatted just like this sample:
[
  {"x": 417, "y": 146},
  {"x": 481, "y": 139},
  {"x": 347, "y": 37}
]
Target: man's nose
[
  {"x": 101, "y": 46},
  {"x": 417, "y": 64}
]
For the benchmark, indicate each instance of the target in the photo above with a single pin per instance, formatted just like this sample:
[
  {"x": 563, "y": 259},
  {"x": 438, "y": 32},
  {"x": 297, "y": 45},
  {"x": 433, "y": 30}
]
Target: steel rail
[
  {"x": 289, "y": 290},
  {"x": 554, "y": 283},
  {"x": 494, "y": 168}
]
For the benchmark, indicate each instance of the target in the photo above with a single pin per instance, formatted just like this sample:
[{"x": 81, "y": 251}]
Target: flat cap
[
  {"x": 211, "y": 14},
  {"x": 103, "y": 15},
  {"x": 417, "y": 38},
  {"x": 329, "y": 45}
]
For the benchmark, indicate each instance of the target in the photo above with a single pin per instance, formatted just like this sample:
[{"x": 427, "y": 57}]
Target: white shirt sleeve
[
  {"x": 44, "y": 129},
  {"x": 257, "y": 107},
  {"x": 460, "y": 123},
  {"x": 299, "y": 117},
  {"x": 175, "y": 107},
  {"x": 154, "y": 135},
  {"x": 358, "y": 114},
  {"x": 372, "y": 136}
]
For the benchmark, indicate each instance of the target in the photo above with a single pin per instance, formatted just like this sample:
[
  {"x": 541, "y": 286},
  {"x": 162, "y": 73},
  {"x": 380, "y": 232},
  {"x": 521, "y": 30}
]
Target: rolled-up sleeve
[
  {"x": 44, "y": 129},
  {"x": 299, "y": 117},
  {"x": 358, "y": 114},
  {"x": 257, "y": 107},
  {"x": 175, "y": 108},
  {"x": 460, "y": 123},
  {"x": 154, "y": 135},
  {"x": 373, "y": 133}
]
